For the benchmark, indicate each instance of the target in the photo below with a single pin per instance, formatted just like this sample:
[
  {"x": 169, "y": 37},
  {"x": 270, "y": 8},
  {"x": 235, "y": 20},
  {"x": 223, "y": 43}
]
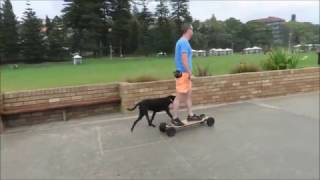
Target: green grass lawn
[{"x": 104, "y": 70}]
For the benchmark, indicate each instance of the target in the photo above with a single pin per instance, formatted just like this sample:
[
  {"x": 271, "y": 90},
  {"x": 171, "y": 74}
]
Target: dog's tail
[{"x": 131, "y": 109}]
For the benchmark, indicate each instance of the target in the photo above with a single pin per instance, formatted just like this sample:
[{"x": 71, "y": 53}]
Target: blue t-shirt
[{"x": 183, "y": 46}]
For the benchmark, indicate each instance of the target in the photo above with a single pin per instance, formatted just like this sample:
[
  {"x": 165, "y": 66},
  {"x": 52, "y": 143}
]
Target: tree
[
  {"x": 134, "y": 35},
  {"x": 33, "y": 49},
  {"x": 48, "y": 25},
  {"x": 216, "y": 34},
  {"x": 121, "y": 24},
  {"x": 234, "y": 28},
  {"x": 9, "y": 33},
  {"x": 164, "y": 33},
  {"x": 56, "y": 40},
  {"x": 1, "y": 33},
  {"x": 301, "y": 32},
  {"x": 257, "y": 34},
  {"x": 87, "y": 19},
  {"x": 146, "y": 19},
  {"x": 199, "y": 39},
  {"x": 180, "y": 14}
]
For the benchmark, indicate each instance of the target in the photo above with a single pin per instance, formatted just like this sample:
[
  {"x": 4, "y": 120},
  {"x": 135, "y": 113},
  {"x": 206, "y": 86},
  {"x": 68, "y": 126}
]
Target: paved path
[{"x": 275, "y": 138}]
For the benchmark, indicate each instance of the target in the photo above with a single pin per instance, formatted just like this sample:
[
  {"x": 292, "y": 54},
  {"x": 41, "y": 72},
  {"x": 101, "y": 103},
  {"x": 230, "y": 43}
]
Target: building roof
[{"x": 269, "y": 19}]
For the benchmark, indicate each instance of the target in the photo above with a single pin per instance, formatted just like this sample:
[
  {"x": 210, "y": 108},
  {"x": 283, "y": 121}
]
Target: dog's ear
[{"x": 171, "y": 97}]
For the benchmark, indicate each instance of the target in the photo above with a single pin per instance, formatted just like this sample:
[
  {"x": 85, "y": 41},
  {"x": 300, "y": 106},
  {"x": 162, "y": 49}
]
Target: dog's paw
[{"x": 153, "y": 125}]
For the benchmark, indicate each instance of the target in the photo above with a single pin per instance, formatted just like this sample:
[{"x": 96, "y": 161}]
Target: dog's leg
[
  {"x": 136, "y": 121},
  {"x": 169, "y": 114},
  {"x": 149, "y": 122},
  {"x": 154, "y": 113}
]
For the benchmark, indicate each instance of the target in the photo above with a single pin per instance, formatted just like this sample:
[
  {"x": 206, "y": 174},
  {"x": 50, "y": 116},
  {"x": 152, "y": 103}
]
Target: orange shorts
[{"x": 183, "y": 84}]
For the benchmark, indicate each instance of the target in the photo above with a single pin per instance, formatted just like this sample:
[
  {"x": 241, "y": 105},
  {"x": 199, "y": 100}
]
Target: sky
[{"x": 305, "y": 10}]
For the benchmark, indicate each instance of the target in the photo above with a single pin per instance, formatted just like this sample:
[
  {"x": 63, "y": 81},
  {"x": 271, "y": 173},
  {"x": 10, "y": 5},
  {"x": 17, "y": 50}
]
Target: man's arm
[{"x": 185, "y": 63}]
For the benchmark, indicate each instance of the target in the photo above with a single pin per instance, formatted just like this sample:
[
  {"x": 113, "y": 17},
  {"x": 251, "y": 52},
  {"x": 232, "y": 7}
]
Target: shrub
[
  {"x": 203, "y": 71},
  {"x": 280, "y": 59},
  {"x": 244, "y": 67},
  {"x": 143, "y": 78}
]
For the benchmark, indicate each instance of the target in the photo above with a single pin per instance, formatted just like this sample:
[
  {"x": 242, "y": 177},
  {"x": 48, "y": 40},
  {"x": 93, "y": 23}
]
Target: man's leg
[
  {"x": 176, "y": 105},
  {"x": 189, "y": 103}
]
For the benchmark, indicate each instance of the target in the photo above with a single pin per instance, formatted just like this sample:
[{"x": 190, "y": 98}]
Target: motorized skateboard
[{"x": 171, "y": 129}]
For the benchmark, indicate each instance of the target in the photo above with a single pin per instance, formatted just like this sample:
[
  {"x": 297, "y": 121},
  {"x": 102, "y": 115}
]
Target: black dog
[{"x": 155, "y": 105}]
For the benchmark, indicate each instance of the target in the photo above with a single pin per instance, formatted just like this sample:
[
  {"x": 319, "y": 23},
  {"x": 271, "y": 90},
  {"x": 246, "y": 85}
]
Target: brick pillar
[{"x": 123, "y": 91}]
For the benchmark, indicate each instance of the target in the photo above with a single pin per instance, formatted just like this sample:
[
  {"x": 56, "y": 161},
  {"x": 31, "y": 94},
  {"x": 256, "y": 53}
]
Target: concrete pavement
[{"x": 274, "y": 138}]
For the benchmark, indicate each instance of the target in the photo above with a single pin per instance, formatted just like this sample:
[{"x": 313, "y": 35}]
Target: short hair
[{"x": 185, "y": 28}]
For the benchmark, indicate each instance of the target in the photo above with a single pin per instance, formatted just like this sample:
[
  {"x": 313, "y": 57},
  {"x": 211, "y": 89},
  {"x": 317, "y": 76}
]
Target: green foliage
[
  {"x": 280, "y": 59},
  {"x": 1, "y": 34},
  {"x": 302, "y": 32},
  {"x": 88, "y": 22},
  {"x": 146, "y": 34},
  {"x": 245, "y": 67},
  {"x": 33, "y": 49},
  {"x": 203, "y": 70},
  {"x": 180, "y": 14},
  {"x": 9, "y": 33},
  {"x": 121, "y": 19},
  {"x": 257, "y": 34},
  {"x": 55, "y": 40},
  {"x": 164, "y": 29}
]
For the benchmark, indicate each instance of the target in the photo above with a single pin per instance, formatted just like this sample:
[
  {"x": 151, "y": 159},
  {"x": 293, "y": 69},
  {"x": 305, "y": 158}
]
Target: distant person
[{"x": 183, "y": 60}]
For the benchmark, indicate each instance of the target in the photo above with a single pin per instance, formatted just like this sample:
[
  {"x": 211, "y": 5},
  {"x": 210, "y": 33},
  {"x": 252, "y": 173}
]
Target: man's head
[{"x": 187, "y": 31}]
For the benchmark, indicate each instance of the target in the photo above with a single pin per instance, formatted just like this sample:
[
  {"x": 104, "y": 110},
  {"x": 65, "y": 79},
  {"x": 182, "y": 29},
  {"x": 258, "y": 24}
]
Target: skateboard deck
[{"x": 188, "y": 123}]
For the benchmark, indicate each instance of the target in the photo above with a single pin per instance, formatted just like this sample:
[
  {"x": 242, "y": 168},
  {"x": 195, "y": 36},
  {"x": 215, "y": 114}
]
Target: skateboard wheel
[
  {"x": 163, "y": 127},
  {"x": 210, "y": 121},
  {"x": 171, "y": 131}
]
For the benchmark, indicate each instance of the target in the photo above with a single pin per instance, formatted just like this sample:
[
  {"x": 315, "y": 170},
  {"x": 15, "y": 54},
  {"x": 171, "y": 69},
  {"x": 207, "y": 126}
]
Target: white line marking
[
  {"x": 266, "y": 105},
  {"x": 134, "y": 146},
  {"x": 99, "y": 140}
]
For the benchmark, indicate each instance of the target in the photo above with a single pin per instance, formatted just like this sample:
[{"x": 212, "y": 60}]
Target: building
[
  {"x": 275, "y": 24},
  {"x": 253, "y": 50},
  {"x": 219, "y": 52}
]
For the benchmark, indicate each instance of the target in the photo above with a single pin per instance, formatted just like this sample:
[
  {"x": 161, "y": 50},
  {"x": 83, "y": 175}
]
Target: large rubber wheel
[
  {"x": 171, "y": 131},
  {"x": 210, "y": 121},
  {"x": 163, "y": 127}
]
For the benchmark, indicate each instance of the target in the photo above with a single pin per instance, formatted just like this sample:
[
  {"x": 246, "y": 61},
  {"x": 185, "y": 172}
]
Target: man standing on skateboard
[{"x": 183, "y": 60}]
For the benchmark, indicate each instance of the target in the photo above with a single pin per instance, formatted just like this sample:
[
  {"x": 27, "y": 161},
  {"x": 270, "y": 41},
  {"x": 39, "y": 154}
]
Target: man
[{"x": 183, "y": 60}]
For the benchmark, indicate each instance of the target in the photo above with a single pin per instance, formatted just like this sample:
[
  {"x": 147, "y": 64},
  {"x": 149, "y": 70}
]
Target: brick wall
[
  {"x": 228, "y": 88},
  {"x": 27, "y": 103},
  {"x": 206, "y": 90},
  {"x": 32, "y": 118},
  {"x": 57, "y": 96}
]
